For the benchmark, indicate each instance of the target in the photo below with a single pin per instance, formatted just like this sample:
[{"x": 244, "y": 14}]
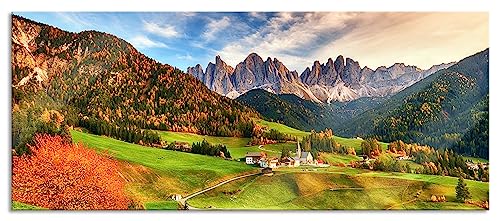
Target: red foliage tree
[{"x": 62, "y": 175}]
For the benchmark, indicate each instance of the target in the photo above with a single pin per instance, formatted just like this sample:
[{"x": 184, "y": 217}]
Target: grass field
[
  {"x": 162, "y": 205},
  {"x": 334, "y": 159},
  {"x": 282, "y": 128},
  {"x": 154, "y": 174},
  {"x": 477, "y": 160},
  {"x": 23, "y": 206},
  {"x": 349, "y": 142},
  {"x": 331, "y": 188},
  {"x": 237, "y": 146}
]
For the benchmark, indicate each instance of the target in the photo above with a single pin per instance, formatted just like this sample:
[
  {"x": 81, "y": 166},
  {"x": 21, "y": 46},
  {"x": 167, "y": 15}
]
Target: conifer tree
[{"x": 462, "y": 190}]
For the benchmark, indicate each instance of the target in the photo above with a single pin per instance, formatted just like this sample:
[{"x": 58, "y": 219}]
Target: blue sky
[{"x": 297, "y": 39}]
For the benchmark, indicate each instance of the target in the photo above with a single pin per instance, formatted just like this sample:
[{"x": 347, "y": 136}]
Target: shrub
[{"x": 62, "y": 175}]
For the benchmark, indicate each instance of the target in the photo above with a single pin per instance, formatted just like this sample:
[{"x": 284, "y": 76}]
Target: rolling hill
[{"x": 338, "y": 188}]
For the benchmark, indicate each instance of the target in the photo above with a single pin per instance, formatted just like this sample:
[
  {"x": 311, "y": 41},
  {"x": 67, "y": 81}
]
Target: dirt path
[{"x": 183, "y": 201}]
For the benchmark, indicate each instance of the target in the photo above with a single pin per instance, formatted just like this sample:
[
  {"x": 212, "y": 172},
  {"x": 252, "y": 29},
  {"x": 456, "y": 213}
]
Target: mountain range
[
  {"x": 339, "y": 80},
  {"x": 92, "y": 76},
  {"x": 446, "y": 109}
]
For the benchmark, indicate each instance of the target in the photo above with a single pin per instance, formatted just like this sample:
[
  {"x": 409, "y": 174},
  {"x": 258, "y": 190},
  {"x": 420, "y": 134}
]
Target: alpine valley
[{"x": 98, "y": 125}]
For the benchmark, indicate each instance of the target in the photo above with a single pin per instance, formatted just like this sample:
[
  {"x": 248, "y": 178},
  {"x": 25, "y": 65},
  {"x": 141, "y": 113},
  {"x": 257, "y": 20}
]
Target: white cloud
[
  {"x": 167, "y": 31},
  {"x": 142, "y": 41},
  {"x": 373, "y": 39},
  {"x": 74, "y": 18},
  {"x": 286, "y": 35},
  {"x": 421, "y": 39},
  {"x": 214, "y": 27}
]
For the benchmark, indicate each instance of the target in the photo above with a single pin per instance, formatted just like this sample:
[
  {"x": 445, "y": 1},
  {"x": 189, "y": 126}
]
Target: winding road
[{"x": 183, "y": 201}]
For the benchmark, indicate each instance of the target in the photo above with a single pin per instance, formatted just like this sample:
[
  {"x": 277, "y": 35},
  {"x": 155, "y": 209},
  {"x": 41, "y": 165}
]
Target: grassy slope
[
  {"x": 334, "y": 159},
  {"x": 282, "y": 128},
  {"x": 23, "y": 206},
  {"x": 350, "y": 142},
  {"x": 163, "y": 172},
  {"x": 237, "y": 146},
  {"x": 295, "y": 189},
  {"x": 476, "y": 160},
  {"x": 163, "y": 205}
]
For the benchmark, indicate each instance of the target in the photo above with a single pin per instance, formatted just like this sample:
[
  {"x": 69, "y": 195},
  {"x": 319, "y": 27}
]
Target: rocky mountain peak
[
  {"x": 339, "y": 64},
  {"x": 336, "y": 80},
  {"x": 330, "y": 62}
]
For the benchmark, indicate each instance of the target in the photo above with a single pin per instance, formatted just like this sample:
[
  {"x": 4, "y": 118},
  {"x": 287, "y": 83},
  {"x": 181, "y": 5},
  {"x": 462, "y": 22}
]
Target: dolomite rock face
[{"x": 336, "y": 80}]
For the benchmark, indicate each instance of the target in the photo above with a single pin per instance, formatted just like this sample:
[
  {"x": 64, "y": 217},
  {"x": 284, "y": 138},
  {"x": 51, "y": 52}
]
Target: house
[
  {"x": 176, "y": 197},
  {"x": 319, "y": 162},
  {"x": 254, "y": 157},
  {"x": 269, "y": 162},
  {"x": 273, "y": 163},
  {"x": 289, "y": 162},
  {"x": 472, "y": 166}
]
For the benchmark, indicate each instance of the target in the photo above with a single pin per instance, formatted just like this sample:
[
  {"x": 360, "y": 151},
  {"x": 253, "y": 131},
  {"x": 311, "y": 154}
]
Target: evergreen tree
[
  {"x": 462, "y": 190},
  {"x": 285, "y": 153}
]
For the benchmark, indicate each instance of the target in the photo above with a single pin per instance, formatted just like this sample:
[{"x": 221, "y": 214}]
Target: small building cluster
[
  {"x": 475, "y": 166},
  {"x": 301, "y": 158}
]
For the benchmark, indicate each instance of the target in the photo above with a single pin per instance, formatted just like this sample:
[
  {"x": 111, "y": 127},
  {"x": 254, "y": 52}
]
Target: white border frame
[{"x": 7, "y": 7}]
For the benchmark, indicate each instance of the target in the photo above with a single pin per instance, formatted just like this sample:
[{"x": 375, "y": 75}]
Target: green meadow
[
  {"x": 154, "y": 174},
  {"x": 349, "y": 142},
  {"x": 23, "y": 206},
  {"x": 333, "y": 189}
]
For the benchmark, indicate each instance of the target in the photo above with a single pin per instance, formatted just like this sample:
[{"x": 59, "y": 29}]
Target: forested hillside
[
  {"x": 94, "y": 76},
  {"x": 289, "y": 109},
  {"x": 296, "y": 112},
  {"x": 437, "y": 111}
]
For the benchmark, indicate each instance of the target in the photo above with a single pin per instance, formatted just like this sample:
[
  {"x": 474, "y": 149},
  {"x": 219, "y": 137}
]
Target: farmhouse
[
  {"x": 472, "y": 166},
  {"x": 254, "y": 157},
  {"x": 272, "y": 163},
  {"x": 290, "y": 162}
]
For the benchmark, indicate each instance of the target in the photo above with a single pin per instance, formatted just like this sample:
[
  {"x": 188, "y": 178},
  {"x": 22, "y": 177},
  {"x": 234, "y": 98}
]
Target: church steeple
[{"x": 298, "y": 150}]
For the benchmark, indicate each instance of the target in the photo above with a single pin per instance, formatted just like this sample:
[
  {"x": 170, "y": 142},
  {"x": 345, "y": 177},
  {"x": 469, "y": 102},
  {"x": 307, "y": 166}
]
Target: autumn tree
[
  {"x": 371, "y": 147},
  {"x": 61, "y": 175}
]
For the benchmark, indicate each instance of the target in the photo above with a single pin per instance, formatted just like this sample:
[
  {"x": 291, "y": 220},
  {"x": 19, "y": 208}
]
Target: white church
[{"x": 303, "y": 157}]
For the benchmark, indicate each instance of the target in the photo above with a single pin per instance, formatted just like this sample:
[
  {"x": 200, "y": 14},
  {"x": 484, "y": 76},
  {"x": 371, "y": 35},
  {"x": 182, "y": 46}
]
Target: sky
[{"x": 374, "y": 39}]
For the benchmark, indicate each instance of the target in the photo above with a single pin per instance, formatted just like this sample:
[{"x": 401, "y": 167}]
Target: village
[{"x": 301, "y": 158}]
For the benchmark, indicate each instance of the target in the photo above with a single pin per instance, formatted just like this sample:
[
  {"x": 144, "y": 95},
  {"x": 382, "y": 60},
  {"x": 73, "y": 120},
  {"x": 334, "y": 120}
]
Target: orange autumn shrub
[{"x": 62, "y": 175}]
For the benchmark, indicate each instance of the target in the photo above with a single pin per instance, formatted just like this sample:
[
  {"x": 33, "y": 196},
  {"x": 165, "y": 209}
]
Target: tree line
[
  {"x": 323, "y": 141},
  {"x": 129, "y": 134},
  {"x": 205, "y": 148}
]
